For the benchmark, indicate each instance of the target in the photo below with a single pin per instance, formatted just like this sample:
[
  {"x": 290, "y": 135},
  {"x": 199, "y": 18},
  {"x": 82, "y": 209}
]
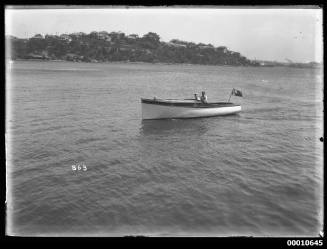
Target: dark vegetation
[{"x": 116, "y": 46}]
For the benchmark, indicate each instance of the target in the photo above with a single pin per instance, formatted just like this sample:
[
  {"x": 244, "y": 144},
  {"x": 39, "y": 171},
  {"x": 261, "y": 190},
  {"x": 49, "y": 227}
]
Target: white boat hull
[{"x": 154, "y": 111}]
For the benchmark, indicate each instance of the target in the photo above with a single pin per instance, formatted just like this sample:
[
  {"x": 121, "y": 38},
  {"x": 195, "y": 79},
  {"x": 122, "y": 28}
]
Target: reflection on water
[
  {"x": 189, "y": 127},
  {"x": 172, "y": 127},
  {"x": 179, "y": 137}
]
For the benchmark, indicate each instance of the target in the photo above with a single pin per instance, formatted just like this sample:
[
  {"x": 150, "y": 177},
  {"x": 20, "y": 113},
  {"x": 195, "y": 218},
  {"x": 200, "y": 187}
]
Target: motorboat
[{"x": 185, "y": 108}]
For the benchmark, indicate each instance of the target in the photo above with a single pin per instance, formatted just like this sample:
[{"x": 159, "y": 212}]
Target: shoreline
[
  {"x": 159, "y": 63},
  {"x": 128, "y": 62}
]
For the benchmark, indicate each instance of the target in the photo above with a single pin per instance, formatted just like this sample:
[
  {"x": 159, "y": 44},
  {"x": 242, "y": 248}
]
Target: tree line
[{"x": 117, "y": 46}]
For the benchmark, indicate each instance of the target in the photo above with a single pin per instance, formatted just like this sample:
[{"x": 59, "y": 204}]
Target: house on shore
[
  {"x": 176, "y": 45},
  {"x": 133, "y": 36},
  {"x": 37, "y": 37},
  {"x": 65, "y": 37},
  {"x": 222, "y": 49},
  {"x": 104, "y": 35}
]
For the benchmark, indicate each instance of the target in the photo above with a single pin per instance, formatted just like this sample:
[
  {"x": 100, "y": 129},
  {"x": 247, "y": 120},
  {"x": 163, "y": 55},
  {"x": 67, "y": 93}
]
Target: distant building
[
  {"x": 50, "y": 36},
  {"x": 133, "y": 36},
  {"x": 65, "y": 37},
  {"x": 205, "y": 46},
  {"x": 42, "y": 56},
  {"x": 78, "y": 34},
  {"x": 235, "y": 53},
  {"x": 116, "y": 35},
  {"x": 73, "y": 57},
  {"x": 172, "y": 44},
  {"x": 179, "y": 42},
  {"x": 267, "y": 63},
  {"x": 222, "y": 49},
  {"x": 104, "y": 35},
  {"x": 37, "y": 36},
  {"x": 34, "y": 56},
  {"x": 11, "y": 37}
]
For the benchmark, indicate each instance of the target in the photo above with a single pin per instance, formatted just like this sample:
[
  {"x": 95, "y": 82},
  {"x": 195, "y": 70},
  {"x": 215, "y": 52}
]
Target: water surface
[{"x": 258, "y": 173}]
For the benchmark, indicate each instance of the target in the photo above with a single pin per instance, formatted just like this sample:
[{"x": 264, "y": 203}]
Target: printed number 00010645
[{"x": 304, "y": 242}]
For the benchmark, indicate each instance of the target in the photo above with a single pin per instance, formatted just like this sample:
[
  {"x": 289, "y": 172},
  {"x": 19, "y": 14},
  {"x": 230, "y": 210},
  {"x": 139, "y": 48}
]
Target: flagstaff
[{"x": 231, "y": 94}]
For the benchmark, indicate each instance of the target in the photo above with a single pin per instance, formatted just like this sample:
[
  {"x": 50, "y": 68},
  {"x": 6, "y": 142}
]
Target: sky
[{"x": 261, "y": 34}]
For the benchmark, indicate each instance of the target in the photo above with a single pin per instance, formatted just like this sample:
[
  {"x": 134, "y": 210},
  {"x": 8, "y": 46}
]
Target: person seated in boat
[
  {"x": 196, "y": 97},
  {"x": 204, "y": 98}
]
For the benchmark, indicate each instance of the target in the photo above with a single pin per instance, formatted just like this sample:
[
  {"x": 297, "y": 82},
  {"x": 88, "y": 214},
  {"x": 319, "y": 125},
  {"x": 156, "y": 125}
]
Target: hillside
[{"x": 116, "y": 46}]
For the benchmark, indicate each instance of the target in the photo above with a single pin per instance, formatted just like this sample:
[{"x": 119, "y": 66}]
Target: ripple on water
[{"x": 256, "y": 173}]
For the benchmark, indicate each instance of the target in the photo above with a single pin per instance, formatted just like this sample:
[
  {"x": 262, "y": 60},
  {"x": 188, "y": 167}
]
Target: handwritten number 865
[{"x": 79, "y": 167}]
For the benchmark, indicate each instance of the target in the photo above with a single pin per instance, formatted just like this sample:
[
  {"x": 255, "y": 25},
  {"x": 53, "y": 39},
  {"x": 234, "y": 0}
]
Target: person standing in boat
[{"x": 204, "y": 98}]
